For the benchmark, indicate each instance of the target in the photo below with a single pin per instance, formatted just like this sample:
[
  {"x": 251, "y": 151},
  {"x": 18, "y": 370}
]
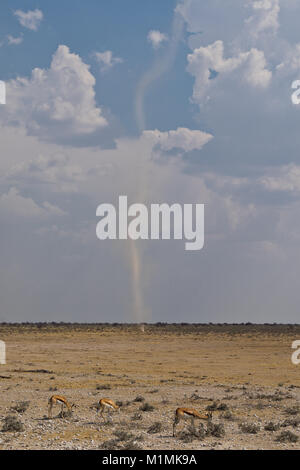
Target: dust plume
[{"x": 160, "y": 66}]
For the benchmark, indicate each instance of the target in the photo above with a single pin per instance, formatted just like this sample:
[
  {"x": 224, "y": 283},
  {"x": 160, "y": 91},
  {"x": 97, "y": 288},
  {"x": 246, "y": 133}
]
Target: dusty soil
[{"x": 246, "y": 370}]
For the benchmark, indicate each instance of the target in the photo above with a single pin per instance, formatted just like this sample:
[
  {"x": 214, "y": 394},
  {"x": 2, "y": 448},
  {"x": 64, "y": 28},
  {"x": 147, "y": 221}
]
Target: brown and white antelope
[
  {"x": 183, "y": 413},
  {"x": 61, "y": 400},
  {"x": 107, "y": 404}
]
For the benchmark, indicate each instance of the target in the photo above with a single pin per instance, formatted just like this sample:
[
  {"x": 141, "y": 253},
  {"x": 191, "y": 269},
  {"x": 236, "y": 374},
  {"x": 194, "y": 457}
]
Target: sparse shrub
[
  {"x": 287, "y": 436},
  {"x": 190, "y": 434},
  {"x": 131, "y": 445},
  {"x": 112, "y": 444},
  {"x": 139, "y": 399},
  {"x": 217, "y": 406},
  {"x": 293, "y": 410},
  {"x": 277, "y": 396},
  {"x": 216, "y": 430},
  {"x": 260, "y": 405},
  {"x": 249, "y": 428},
  {"x": 21, "y": 406},
  {"x": 272, "y": 426},
  {"x": 146, "y": 407},
  {"x": 156, "y": 427},
  {"x": 12, "y": 424},
  {"x": 65, "y": 414},
  {"x": 228, "y": 415},
  {"x": 107, "y": 423},
  {"x": 186, "y": 436},
  {"x": 123, "y": 435},
  {"x": 103, "y": 387},
  {"x": 195, "y": 397},
  {"x": 123, "y": 441},
  {"x": 222, "y": 407},
  {"x": 291, "y": 422},
  {"x": 212, "y": 407}
]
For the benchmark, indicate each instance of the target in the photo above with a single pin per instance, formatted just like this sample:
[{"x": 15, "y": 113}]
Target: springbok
[
  {"x": 59, "y": 399},
  {"x": 182, "y": 413},
  {"x": 106, "y": 403}
]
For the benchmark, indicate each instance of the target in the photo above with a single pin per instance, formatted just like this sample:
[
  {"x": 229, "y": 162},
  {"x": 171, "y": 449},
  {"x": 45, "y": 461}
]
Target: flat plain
[{"x": 243, "y": 373}]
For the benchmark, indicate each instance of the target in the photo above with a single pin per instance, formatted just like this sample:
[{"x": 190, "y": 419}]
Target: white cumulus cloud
[
  {"x": 156, "y": 38},
  {"x": 286, "y": 178},
  {"x": 265, "y": 16},
  {"x": 14, "y": 40},
  {"x": 204, "y": 61},
  {"x": 30, "y": 19},
  {"x": 107, "y": 60},
  {"x": 182, "y": 138},
  {"x": 58, "y": 103}
]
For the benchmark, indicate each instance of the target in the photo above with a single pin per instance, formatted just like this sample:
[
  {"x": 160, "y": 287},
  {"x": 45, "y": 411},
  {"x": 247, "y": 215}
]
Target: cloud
[
  {"x": 290, "y": 62},
  {"x": 265, "y": 17},
  {"x": 13, "y": 204},
  {"x": 182, "y": 138},
  {"x": 14, "y": 40},
  {"x": 30, "y": 19},
  {"x": 156, "y": 38},
  {"x": 285, "y": 178},
  {"x": 160, "y": 66},
  {"x": 206, "y": 62},
  {"x": 106, "y": 60},
  {"x": 56, "y": 104},
  {"x": 55, "y": 172}
]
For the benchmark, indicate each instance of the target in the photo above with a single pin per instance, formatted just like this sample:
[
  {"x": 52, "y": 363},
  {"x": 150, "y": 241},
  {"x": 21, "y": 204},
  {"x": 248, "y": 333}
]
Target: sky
[{"x": 185, "y": 101}]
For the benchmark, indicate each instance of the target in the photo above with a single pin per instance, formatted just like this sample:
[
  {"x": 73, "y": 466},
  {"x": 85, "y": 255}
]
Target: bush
[
  {"x": 291, "y": 422},
  {"x": 217, "y": 406},
  {"x": 129, "y": 441},
  {"x": 216, "y": 430},
  {"x": 222, "y": 407},
  {"x": 272, "y": 426},
  {"x": 12, "y": 424},
  {"x": 228, "y": 415},
  {"x": 156, "y": 427},
  {"x": 123, "y": 435},
  {"x": 190, "y": 434},
  {"x": 287, "y": 436},
  {"x": 146, "y": 407},
  {"x": 212, "y": 407},
  {"x": 139, "y": 399},
  {"x": 103, "y": 387},
  {"x": 131, "y": 445},
  {"x": 21, "y": 406},
  {"x": 294, "y": 410},
  {"x": 65, "y": 414},
  {"x": 249, "y": 428},
  {"x": 112, "y": 444}
]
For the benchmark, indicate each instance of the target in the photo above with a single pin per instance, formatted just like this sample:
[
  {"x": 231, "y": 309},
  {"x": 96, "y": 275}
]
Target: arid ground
[{"x": 243, "y": 373}]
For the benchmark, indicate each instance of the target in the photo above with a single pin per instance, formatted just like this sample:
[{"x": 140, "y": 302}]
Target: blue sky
[
  {"x": 193, "y": 98},
  {"x": 99, "y": 26}
]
